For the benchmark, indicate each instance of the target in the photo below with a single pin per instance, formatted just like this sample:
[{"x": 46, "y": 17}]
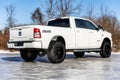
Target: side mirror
[{"x": 100, "y": 27}]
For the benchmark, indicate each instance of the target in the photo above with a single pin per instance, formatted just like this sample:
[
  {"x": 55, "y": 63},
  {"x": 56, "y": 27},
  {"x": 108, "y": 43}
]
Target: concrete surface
[{"x": 91, "y": 67}]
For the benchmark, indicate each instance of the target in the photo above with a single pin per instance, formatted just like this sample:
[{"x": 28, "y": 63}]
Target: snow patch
[{"x": 7, "y": 51}]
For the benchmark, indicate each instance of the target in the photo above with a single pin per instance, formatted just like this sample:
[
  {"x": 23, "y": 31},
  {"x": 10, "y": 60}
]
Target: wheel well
[
  {"x": 107, "y": 40},
  {"x": 59, "y": 39}
]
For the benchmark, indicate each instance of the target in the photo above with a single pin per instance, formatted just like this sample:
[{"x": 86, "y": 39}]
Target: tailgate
[{"x": 24, "y": 33}]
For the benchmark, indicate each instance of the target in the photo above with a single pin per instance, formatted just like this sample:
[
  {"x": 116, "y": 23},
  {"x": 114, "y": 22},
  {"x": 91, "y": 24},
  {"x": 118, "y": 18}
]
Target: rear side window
[
  {"x": 59, "y": 23},
  {"x": 80, "y": 23}
]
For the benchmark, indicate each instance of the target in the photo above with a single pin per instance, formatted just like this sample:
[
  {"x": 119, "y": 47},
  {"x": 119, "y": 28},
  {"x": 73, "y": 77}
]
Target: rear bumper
[{"x": 26, "y": 45}]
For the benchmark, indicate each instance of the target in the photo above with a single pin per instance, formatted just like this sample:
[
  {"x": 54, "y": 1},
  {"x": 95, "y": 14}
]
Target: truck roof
[{"x": 70, "y": 17}]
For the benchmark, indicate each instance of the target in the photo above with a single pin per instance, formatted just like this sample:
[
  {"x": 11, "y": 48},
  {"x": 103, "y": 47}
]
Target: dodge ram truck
[{"x": 60, "y": 35}]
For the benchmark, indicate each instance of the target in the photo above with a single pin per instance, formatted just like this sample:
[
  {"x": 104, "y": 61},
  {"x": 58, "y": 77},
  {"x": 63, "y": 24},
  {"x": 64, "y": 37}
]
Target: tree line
[{"x": 63, "y": 8}]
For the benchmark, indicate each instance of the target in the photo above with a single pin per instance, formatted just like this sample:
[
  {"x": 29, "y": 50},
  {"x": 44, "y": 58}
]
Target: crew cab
[{"x": 60, "y": 35}]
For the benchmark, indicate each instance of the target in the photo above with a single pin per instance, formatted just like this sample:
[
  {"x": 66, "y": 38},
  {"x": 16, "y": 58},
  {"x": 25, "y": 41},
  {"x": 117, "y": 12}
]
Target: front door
[{"x": 94, "y": 35}]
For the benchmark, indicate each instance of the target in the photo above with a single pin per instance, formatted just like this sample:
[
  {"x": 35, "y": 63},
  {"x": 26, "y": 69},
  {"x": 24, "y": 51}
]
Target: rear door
[{"x": 81, "y": 34}]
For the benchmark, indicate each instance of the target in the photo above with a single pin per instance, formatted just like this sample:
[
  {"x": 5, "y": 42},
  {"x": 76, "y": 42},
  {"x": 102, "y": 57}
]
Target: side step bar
[{"x": 87, "y": 50}]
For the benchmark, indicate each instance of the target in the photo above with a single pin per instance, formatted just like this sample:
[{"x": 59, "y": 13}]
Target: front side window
[
  {"x": 59, "y": 23},
  {"x": 85, "y": 24},
  {"x": 90, "y": 25}
]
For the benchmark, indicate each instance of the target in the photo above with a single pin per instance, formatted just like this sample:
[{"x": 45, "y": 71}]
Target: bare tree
[
  {"x": 90, "y": 12},
  {"x": 79, "y": 8},
  {"x": 11, "y": 14},
  {"x": 104, "y": 11},
  {"x": 51, "y": 8},
  {"x": 64, "y": 8},
  {"x": 115, "y": 30},
  {"x": 107, "y": 19},
  {"x": 61, "y": 8},
  {"x": 111, "y": 24},
  {"x": 37, "y": 17},
  {"x": 67, "y": 7}
]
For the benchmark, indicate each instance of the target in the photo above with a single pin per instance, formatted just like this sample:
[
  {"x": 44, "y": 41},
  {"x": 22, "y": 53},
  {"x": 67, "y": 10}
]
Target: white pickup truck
[{"x": 60, "y": 35}]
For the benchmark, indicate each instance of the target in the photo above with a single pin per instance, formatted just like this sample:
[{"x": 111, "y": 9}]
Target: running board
[{"x": 87, "y": 50}]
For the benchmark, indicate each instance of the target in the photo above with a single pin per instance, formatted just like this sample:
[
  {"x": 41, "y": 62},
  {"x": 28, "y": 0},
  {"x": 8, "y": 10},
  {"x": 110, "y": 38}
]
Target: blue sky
[{"x": 24, "y": 8}]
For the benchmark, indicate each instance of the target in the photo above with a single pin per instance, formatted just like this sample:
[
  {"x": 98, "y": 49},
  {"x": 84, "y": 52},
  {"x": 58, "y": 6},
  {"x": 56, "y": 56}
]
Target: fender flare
[{"x": 57, "y": 38}]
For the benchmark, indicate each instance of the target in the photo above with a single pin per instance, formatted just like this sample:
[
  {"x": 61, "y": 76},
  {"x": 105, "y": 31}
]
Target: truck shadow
[
  {"x": 45, "y": 59},
  {"x": 12, "y": 59}
]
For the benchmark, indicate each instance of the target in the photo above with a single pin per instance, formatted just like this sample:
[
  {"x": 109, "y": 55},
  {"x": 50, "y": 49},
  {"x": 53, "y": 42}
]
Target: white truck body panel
[
  {"x": 75, "y": 38},
  {"x": 46, "y": 37},
  {"x": 27, "y": 33}
]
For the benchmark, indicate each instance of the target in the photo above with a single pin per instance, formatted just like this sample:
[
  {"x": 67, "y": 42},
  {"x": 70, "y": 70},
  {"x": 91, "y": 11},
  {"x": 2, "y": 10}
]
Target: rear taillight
[{"x": 37, "y": 33}]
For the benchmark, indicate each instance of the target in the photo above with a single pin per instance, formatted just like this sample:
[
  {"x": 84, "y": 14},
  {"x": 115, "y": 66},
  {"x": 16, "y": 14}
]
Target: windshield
[{"x": 59, "y": 23}]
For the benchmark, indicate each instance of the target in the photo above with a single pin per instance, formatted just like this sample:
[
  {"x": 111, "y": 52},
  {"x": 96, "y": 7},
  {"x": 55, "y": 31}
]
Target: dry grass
[{"x": 4, "y": 39}]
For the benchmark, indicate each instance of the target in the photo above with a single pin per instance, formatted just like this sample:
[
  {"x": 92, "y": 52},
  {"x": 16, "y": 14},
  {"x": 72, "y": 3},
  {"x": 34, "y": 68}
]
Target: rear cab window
[{"x": 65, "y": 23}]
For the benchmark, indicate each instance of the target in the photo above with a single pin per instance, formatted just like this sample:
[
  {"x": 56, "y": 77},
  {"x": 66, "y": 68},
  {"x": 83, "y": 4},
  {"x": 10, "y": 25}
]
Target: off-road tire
[
  {"x": 28, "y": 55},
  {"x": 56, "y": 52},
  {"x": 105, "y": 50}
]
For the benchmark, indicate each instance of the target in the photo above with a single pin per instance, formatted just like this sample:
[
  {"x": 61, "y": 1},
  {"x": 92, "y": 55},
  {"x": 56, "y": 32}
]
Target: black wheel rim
[
  {"x": 59, "y": 52},
  {"x": 29, "y": 54}
]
